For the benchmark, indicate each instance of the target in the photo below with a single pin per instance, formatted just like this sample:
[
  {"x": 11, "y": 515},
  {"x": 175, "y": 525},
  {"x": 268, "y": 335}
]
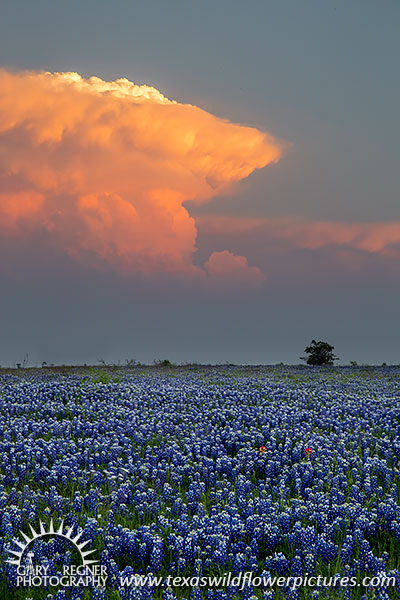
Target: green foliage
[
  {"x": 100, "y": 376},
  {"x": 163, "y": 363},
  {"x": 319, "y": 353}
]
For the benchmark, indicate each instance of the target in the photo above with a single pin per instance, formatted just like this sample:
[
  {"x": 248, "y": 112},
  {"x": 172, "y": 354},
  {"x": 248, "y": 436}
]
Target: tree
[{"x": 319, "y": 353}]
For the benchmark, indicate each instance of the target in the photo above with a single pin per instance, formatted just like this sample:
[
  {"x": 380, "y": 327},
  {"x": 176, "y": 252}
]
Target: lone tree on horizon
[{"x": 319, "y": 353}]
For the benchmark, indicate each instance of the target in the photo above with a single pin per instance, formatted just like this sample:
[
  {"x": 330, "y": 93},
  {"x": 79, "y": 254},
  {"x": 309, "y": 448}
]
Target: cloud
[
  {"x": 380, "y": 238},
  {"x": 101, "y": 169},
  {"x": 228, "y": 268}
]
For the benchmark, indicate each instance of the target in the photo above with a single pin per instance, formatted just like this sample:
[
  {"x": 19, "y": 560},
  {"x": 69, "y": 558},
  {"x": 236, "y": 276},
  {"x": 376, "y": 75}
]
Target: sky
[{"x": 203, "y": 182}]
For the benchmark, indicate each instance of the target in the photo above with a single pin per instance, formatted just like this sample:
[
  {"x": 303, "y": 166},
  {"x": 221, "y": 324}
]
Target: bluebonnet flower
[{"x": 166, "y": 473}]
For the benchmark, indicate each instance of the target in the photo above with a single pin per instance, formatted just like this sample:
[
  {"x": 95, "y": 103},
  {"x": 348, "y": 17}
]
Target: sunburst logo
[
  {"x": 67, "y": 535},
  {"x": 88, "y": 573}
]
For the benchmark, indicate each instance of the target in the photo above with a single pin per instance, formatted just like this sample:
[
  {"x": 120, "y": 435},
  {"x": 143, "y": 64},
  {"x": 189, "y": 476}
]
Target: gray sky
[{"x": 322, "y": 225}]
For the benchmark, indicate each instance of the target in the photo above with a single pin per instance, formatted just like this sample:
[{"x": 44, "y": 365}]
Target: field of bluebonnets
[{"x": 280, "y": 470}]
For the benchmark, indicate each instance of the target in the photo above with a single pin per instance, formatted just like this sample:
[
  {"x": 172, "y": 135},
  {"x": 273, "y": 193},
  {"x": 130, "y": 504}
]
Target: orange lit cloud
[
  {"x": 226, "y": 267},
  {"x": 103, "y": 168},
  {"x": 381, "y": 238}
]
